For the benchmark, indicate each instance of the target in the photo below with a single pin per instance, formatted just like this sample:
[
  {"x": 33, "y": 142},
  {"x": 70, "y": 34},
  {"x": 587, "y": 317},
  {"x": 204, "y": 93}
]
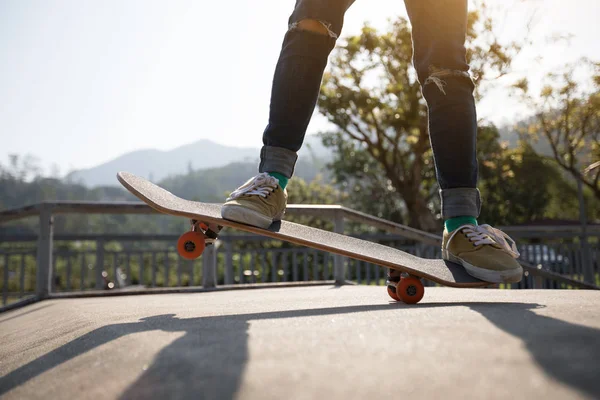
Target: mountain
[{"x": 157, "y": 165}]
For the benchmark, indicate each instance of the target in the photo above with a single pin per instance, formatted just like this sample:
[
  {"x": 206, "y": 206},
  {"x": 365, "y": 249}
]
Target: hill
[{"x": 157, "y": 165}]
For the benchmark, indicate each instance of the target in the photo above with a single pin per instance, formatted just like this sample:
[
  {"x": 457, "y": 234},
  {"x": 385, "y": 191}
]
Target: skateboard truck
[
  {"x": 191, "y": 244},
  {"x": 211, "y": 231}
]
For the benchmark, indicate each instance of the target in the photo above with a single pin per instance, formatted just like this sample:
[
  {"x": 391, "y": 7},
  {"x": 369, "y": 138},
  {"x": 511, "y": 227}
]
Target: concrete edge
[
  {"x": 20, "y": 303},
  {"x": 196, "y": 289}
]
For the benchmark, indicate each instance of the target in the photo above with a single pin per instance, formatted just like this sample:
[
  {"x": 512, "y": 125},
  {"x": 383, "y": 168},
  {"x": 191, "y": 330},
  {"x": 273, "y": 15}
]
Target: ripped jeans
[{"x": 439, "y": 56}]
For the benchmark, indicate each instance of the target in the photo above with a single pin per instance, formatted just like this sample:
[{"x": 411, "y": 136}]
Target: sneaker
[
  {"x": 486, "y": 253},
  {"x": 258, "y": 202}
]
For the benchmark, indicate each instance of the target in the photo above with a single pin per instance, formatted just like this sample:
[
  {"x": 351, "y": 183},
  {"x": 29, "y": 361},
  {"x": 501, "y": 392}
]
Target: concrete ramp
[{"x": 320, "y": 342}]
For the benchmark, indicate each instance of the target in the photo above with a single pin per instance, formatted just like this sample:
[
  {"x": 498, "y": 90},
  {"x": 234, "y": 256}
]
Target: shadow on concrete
[
  {"x": 566, "y": 352},
  {"x": 210, "y": 358}
]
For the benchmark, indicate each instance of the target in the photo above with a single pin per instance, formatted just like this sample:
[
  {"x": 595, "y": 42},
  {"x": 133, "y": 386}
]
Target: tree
[
  {"x": 21, "y": 168},
  {"x": 360, "y": 176},
  {"x": 515, "y": 184},
  {"x": 372, "y": 96},
  {"x": 567, "y": 117}
]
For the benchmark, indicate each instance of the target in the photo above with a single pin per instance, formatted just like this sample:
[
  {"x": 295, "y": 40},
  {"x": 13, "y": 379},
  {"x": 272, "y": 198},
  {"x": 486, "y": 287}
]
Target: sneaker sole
[
  {"x": 487, "y": 275},
  {"x": 246, "y": 216}
]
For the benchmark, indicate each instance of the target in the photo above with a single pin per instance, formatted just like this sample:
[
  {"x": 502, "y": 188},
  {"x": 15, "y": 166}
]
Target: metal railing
[
  {"x": 95, "y": 266},
  {"x": 38, "y": 269}
]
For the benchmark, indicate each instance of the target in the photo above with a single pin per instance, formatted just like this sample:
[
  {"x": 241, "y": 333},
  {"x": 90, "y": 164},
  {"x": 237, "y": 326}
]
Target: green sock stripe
[
  {"x": 283, "y": 180},
  {"x": 453, "y": 223}
]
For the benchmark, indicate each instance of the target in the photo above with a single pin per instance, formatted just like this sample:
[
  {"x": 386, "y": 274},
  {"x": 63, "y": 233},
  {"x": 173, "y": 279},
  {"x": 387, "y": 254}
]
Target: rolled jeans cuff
[
  {"x": 277, "y": 159},
  {"x": 457, "y": 202}
]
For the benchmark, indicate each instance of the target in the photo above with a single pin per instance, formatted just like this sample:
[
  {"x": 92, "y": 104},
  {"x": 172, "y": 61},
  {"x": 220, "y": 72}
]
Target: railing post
[
  {"x": 588, "y": 272},
  {"x": 99, "y": 263},
  {"x": 228, "y": 262},
  {"x": 5, "y": 280},
  {"x": 209, "y": 265},
  {"x": 339, "y": 262},
  {"x": 44, "y": 252},
  {"x": 538, "y": 282}
]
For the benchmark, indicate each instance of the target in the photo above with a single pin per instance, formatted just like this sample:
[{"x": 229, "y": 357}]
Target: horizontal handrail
[
  {"x": 75, "y": 207},
  {"x": 128, "y": 207}
]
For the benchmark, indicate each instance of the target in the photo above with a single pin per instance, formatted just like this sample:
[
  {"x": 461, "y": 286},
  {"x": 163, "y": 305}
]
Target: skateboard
[{"x": 206, "y": 224}]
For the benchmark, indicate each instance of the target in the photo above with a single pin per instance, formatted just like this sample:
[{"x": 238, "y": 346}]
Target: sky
[{"x": 84, "y": 81}]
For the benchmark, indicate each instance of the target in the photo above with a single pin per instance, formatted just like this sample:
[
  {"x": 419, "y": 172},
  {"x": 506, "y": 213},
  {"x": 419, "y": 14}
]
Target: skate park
[{"x": 335, "y": 338}]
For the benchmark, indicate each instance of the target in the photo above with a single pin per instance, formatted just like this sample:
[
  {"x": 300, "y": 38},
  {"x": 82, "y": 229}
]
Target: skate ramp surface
[{"x": 321, "y": 342}]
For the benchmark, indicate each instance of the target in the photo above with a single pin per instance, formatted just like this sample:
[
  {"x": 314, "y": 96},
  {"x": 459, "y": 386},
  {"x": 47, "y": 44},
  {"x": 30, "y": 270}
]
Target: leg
[
  {"x": 313, "y": 29},
  {"x": 439, "y": 30}
]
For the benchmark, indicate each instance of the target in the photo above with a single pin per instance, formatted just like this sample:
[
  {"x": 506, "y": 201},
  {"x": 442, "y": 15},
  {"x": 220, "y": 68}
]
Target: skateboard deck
[{"x": 439, "y": 271}]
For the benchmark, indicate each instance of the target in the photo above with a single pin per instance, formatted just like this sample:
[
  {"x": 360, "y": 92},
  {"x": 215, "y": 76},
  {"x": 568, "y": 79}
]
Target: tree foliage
[
  {"x": 567, "y": 117},
  {"x": 515, "y": 184}
]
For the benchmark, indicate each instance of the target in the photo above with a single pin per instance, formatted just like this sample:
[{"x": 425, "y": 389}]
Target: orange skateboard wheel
[
  {"x": 191, "y": 245},
  {"x": 410, "y": 290},
  {"x": 393, "y": 294}
]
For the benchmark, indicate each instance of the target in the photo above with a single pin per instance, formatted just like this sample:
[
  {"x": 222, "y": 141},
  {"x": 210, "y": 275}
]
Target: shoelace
[
  {"x": 486, "y": 234},
  {"x": 261, "y": 185},
  {"x": 505, "y": 241}
]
